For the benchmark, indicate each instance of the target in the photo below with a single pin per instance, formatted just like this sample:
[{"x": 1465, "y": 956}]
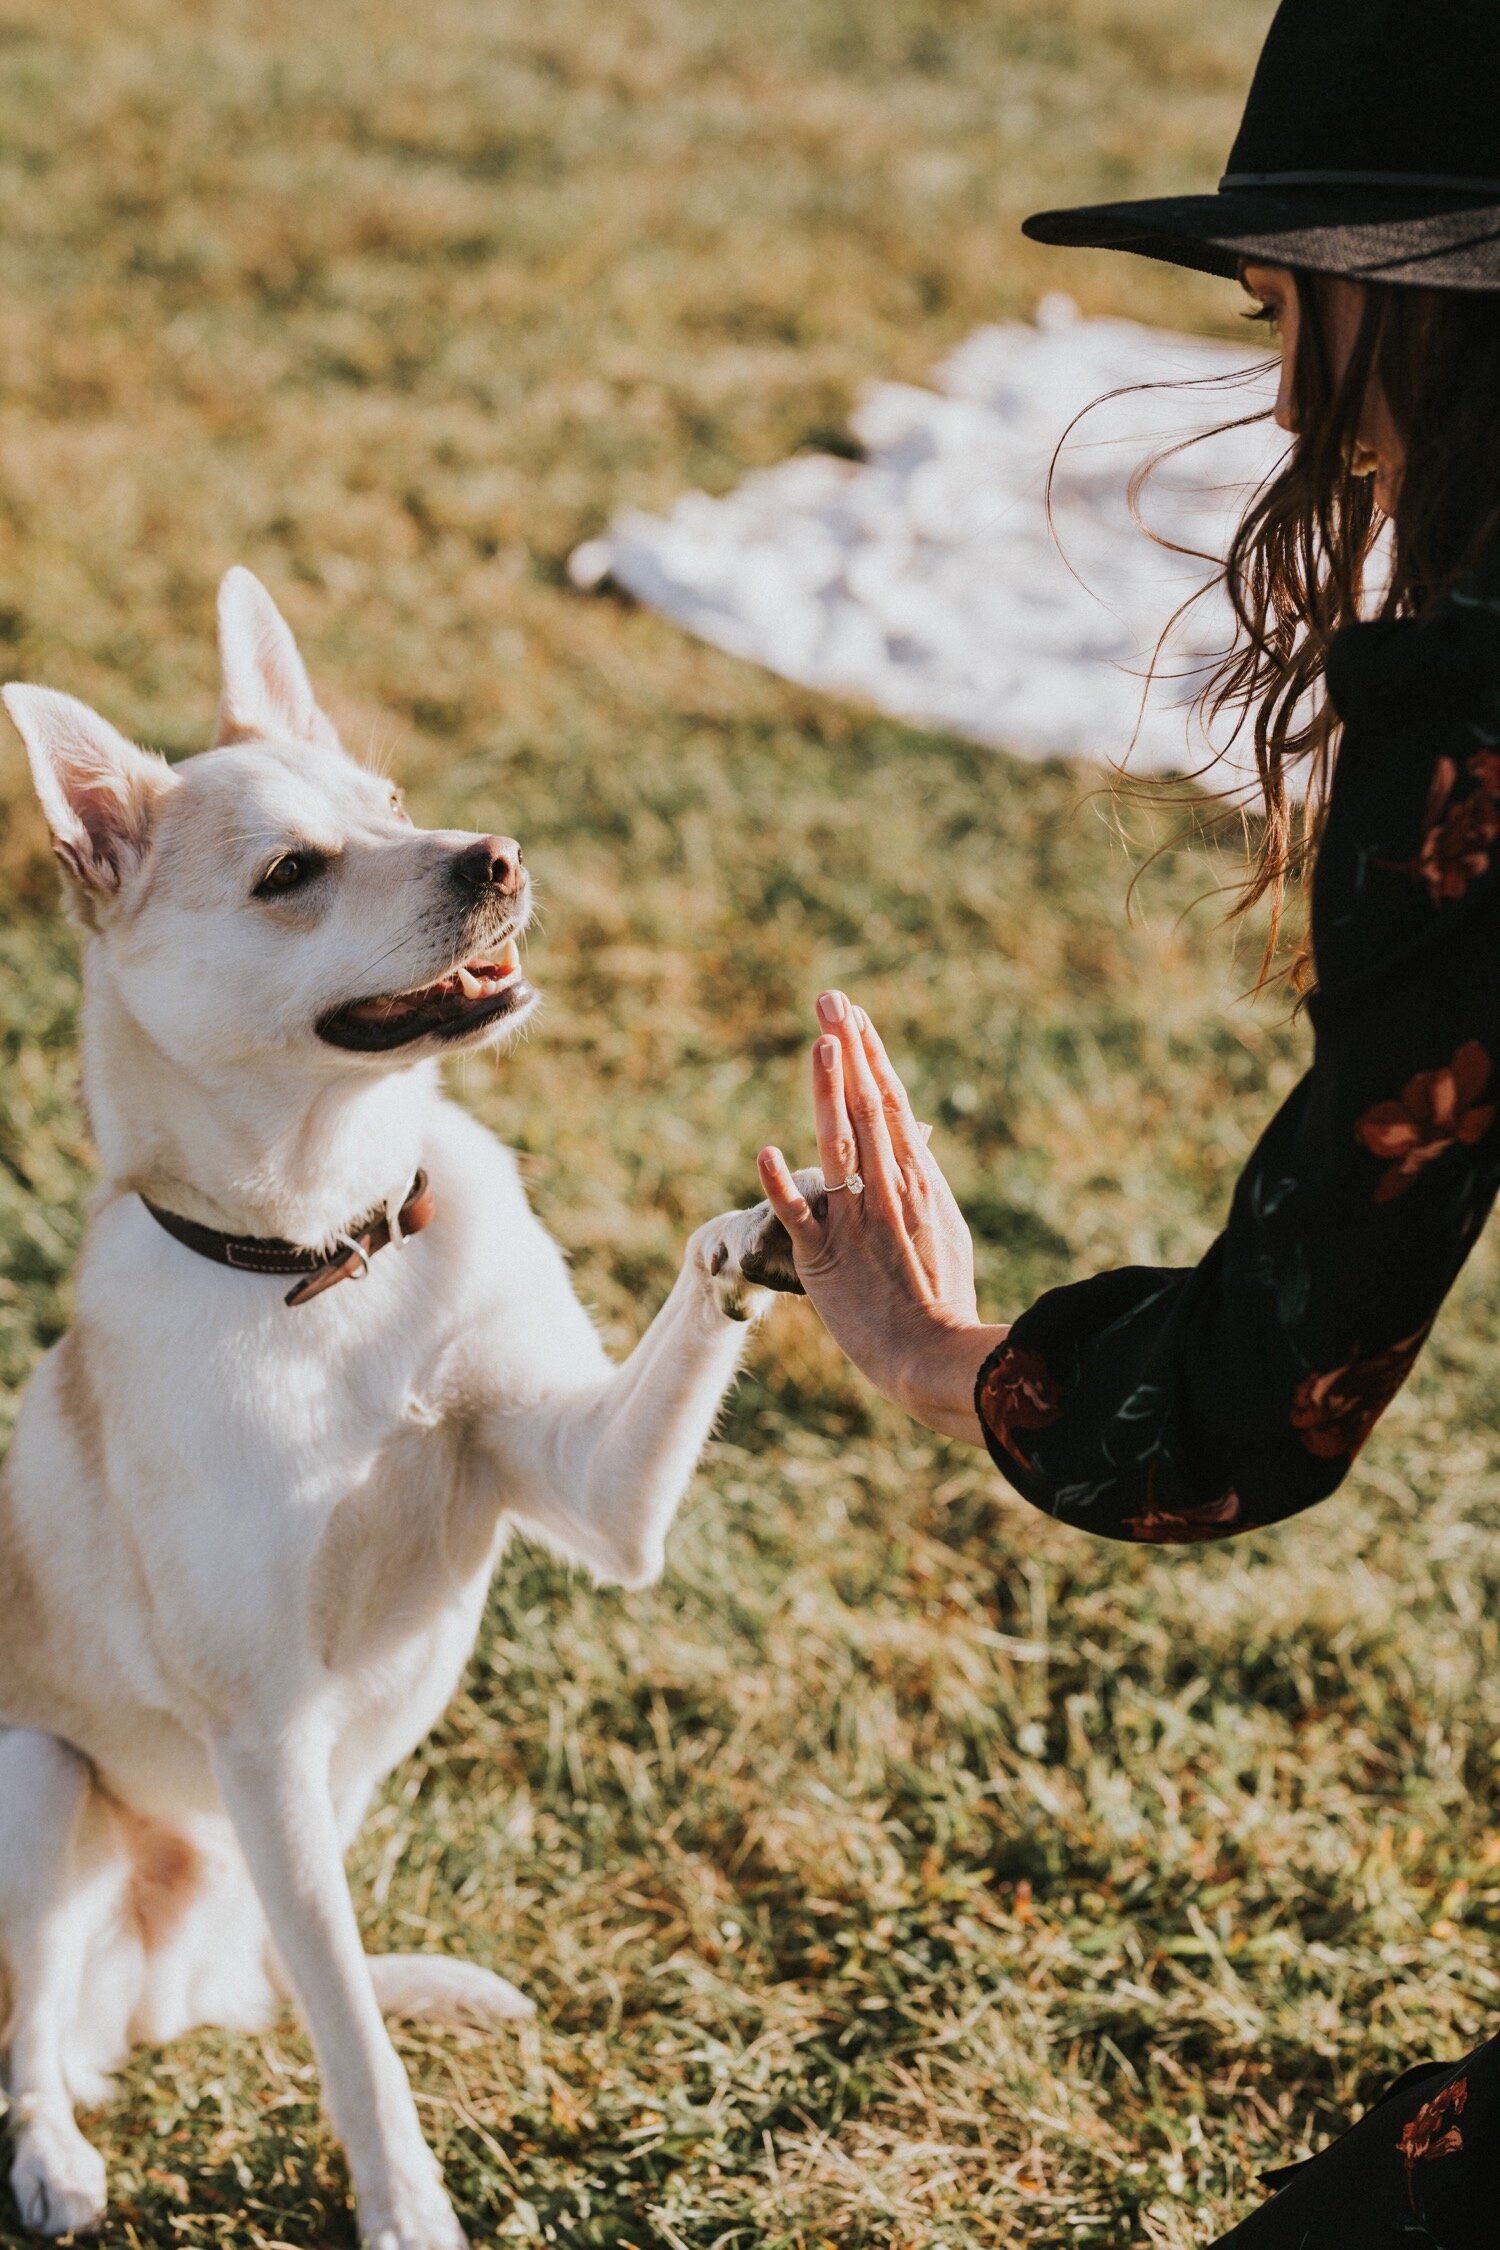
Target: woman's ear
[
  {"x": 99, "y": 792},
  {"x": 266, "y": 690}
]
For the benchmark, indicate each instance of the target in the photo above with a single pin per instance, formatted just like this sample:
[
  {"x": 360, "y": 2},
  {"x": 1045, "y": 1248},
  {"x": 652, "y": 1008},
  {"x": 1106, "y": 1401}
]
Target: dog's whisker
[{"x": 403, "y": 938}]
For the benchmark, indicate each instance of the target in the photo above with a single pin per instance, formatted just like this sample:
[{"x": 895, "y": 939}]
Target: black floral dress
[{"x": 1188, "y": 1404}]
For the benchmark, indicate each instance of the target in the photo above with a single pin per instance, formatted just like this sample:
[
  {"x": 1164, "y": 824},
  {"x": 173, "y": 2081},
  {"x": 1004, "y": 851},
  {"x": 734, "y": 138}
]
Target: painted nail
[
  {"x": 828, "y": 1052},
  {"x": 832, "y": 1007}
]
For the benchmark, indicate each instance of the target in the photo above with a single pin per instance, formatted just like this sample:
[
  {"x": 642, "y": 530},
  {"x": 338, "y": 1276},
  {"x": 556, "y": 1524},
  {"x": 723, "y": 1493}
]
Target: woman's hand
[{"x": 890, "y": 1270}]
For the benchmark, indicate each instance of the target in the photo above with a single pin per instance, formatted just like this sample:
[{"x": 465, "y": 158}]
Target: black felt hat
[{"x": 1370, "y": 147}]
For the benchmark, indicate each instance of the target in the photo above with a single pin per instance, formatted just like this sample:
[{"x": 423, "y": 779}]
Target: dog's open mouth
[{"x": 478, "y": 992}]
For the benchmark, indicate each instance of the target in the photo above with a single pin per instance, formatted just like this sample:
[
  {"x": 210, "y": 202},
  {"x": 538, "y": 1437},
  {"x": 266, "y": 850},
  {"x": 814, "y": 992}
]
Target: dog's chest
[
  {"x": 272, "y": 1478},
  {"x": 254, "y": 1501}
]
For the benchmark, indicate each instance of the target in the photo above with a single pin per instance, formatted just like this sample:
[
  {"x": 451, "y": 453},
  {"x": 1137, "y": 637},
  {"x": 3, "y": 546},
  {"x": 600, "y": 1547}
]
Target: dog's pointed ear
[
  {"x": 266, "y": 689},
  {"x": 99, "y": 792}
]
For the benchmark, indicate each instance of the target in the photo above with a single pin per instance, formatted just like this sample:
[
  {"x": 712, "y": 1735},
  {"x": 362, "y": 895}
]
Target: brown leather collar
[{"x": 259, "y": 1253}]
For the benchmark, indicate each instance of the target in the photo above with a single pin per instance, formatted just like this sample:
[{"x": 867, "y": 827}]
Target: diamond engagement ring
[{"x": 854, "y": 1184}]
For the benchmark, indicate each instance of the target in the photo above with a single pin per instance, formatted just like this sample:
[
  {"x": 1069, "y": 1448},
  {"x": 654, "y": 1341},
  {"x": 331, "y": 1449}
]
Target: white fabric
[{"x": 926, "y": 579}]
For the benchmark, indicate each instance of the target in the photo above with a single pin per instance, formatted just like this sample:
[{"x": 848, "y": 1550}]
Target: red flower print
[
  {"x": 1181, "y": 1526},
  {"x": 1430, "y": 2134},
  {"x": 1457, "y": 838},
  {"x": 1333, "y": 1414},
  {"x": 1437, "y": 1110},
  {"x": 1019, "y": 1394},
  {"x": 1484, "y": 770},
  {"x": 1457, "y": 849}
]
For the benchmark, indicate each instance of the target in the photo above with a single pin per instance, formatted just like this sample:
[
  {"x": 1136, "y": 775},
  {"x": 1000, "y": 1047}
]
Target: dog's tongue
[{"x": 471, "y": 980}]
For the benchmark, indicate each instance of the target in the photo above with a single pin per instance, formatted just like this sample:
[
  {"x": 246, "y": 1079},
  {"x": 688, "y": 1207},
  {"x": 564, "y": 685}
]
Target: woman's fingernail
[
  {"x": 828, "y": 1052},
  {"x": 861, "y": 1019},
  {"x": 833, "y": 1007}
]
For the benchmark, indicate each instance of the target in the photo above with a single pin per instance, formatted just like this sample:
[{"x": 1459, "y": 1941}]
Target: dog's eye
[
  {"x": 289, "y": 873},
  {"x": 398, "y": 807}
]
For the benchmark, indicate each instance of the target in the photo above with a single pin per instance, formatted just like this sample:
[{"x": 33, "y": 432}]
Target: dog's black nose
[{"x": 494, "y": 863}]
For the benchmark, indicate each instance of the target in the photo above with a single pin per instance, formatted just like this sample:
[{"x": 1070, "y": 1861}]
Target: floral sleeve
[{"x": 1186, "y": 1404}]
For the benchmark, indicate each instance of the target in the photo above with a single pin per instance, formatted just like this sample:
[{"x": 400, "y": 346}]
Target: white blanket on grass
[{"x": 925, "y": 579}]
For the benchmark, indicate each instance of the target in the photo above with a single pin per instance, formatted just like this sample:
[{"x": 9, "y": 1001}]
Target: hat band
[{"x": 1441, "y": 180}]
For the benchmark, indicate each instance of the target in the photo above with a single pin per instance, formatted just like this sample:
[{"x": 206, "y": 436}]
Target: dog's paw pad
[
  {"x": 721, "y": 1248},
  {"x": 750, "y": 1252}
]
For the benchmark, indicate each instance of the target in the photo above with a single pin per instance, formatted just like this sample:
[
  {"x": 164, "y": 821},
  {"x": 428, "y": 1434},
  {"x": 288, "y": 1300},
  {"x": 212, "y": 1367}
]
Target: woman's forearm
[{"x": 937, "y": 1379}]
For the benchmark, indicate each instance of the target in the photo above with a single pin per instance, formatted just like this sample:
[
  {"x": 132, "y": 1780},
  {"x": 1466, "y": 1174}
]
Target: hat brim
[{"x": 1432, "y": 241}]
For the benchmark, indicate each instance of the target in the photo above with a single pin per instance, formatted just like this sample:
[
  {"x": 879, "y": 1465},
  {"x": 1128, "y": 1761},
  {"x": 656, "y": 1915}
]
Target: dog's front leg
[
  {"x": 600, "y": 1471},
  {"x": 279, "y": 1799}
]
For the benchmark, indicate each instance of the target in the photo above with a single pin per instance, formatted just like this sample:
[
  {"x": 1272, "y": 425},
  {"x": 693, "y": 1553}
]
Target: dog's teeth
[
  {"x": 509, "y": 960},
  {"x": 471, "y": 986}
]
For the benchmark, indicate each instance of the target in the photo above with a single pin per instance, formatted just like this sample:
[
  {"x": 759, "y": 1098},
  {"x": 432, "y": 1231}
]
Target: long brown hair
[{"x": 1299, "y": 565}]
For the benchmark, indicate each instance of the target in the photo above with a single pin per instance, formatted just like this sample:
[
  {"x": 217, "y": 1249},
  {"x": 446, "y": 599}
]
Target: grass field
[{"x": 905, "y": 1871}]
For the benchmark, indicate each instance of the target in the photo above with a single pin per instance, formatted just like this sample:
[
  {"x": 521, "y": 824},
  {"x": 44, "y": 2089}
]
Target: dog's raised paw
[
  {"x": 57, "y": 2179},
  {"x": 750, "y": 1251}
]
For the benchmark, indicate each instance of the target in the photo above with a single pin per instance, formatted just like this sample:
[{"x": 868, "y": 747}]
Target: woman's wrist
[{"x": 939, "y": 1375}]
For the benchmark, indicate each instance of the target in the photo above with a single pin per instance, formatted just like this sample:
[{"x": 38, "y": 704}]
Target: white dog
[{"x": 246, "y": 1532}]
